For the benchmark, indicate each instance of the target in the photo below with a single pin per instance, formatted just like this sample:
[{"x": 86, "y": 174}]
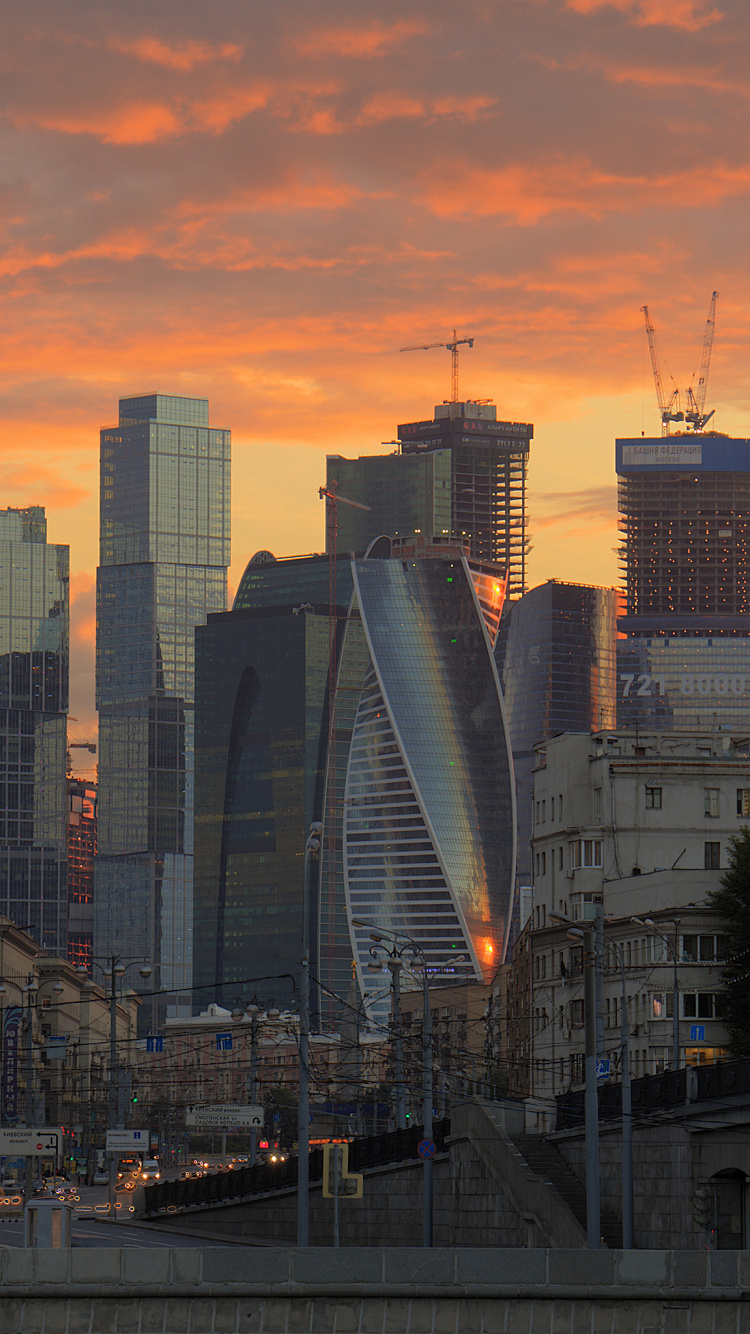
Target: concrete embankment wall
[{"x": 405, "y": 1290}]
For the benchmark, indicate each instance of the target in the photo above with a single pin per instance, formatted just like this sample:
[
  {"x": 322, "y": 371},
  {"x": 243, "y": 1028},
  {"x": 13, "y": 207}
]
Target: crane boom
[
  {"x": 666, "y": 406},
  {"x": 453, "y": 349},
  {"x": 697, "y": 416}
]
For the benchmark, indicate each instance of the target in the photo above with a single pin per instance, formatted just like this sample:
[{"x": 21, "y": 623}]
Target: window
[
  {"x": 653, "y": 798},
  {"x": 700, "y": 1005},
  {"x": 597, "y": 805},
  {"x": 544, "y": 863},
  {"x": 576, "y": 960},
  {"x": 576, "y": 1014},
  {"x": 577, "y": 1069},
  {"x": 711, "y": 856},
  {"x": 711, "y": 802},
  {"x": 559, "y": 805},
  {"x": 743, "y": 801},
  {"x": 562, "y": 858},
  {"x": 544, "y": 812},
  {"x": 552, "y": 808},
  {"x": 704, "y": 949},
  {"x": 585, "y": 852},
  {"x": 661, "y": 1005}
]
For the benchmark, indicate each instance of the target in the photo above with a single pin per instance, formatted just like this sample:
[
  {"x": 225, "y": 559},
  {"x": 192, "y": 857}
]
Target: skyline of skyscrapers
[
  {"x": 164, "y": 553},
  {"x": 685, "y": 557},
  {"x": 34, "y": 651}
]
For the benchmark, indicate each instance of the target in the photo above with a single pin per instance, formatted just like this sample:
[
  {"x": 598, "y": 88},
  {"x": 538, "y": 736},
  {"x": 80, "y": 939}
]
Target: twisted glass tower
[
  {"x": 165, "y": 474},
  {"x": 420, "y": 802}
]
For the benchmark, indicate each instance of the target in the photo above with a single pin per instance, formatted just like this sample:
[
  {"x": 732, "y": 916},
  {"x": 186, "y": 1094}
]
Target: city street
[{"x": 88, "y": 1230}]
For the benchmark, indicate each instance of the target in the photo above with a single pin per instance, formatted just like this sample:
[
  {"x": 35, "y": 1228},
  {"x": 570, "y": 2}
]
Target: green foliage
[{"x": 732, "y": 901}]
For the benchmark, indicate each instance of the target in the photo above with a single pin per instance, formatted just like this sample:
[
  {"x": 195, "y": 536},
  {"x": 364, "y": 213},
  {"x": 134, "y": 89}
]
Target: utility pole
[
  {"x": 593, "y": 1206},
  {"x": 395, "y": 965},
  {"x": 427, "y": 1109},
  {"x": 312, "y": 848}
]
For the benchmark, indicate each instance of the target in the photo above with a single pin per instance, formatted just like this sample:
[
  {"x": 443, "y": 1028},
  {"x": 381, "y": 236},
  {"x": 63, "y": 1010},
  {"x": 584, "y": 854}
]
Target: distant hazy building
[
  {"x": 461, "y": 474},
  {"x": 556, "y": 658},
  {"x": 685, "y": 518},
  {"x": 261, "y": 736},
  {"x": 420, "y": 810},
  {"x": 81, "y": 855},
  {"x": 165, "y": 476},
  {"x": 34, "y": 632}
]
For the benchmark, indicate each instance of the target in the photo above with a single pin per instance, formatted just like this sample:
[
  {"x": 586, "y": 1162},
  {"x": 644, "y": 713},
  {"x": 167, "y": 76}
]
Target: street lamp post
[
  {"x": 627, "y": 1108},
  {"x": 395, "y": 955},
  {"x": 117, "y": 969},
  {"x": 312, "y": 848},
  {"x": 253, "y": 1011},
  {"x": 591, "y": 1097},
  {"x": 651, "y": 924}
]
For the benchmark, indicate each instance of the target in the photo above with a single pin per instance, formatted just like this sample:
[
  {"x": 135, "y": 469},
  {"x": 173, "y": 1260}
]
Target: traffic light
[{"x": 134, "y": 1097}]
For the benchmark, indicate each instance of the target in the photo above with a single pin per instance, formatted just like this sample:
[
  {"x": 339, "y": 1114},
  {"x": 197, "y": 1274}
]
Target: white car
[{"x": 150, "y": 1170}]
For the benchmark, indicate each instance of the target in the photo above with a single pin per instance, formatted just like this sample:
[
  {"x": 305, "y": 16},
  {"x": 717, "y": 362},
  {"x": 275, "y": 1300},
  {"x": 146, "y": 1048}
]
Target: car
[
  {"x": 100, "y": 1179},
  {"x": 150, "y": 1170}
]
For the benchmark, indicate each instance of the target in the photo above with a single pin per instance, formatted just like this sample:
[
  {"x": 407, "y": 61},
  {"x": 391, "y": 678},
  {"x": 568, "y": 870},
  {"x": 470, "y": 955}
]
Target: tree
[{"x": 732, "y": 901}]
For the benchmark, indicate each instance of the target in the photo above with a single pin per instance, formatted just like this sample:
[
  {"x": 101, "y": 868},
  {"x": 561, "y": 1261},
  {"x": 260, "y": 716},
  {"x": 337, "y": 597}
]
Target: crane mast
[
  {"x": 453, "y": 349},
  {"x": 697, "y": 401}
]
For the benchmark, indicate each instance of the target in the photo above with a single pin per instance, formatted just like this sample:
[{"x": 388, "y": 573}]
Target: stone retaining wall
[{"x": 372, "y": 1291}]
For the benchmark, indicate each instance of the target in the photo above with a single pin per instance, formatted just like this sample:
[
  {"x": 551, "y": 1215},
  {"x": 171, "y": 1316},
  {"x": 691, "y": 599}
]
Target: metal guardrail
[
  {"x": 651, "y": 1093},
  {"x": 242, "y": 1182}
]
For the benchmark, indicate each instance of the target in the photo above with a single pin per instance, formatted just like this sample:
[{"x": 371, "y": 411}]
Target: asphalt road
[{"x": 88, "y": 1232}]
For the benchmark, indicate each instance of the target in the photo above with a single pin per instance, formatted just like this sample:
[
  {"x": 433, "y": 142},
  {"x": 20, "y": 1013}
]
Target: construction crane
[
  {"x": 78, "y": 745},
  {"x": 453, "y": 349},
  {"x": 696, "y": 417},
  {"x": 332, "y": 499},
  {"x": 668, "y": 407}
]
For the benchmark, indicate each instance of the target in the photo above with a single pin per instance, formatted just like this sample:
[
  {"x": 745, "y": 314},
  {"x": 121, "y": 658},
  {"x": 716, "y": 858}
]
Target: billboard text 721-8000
[{"x": 688, "y": 683}]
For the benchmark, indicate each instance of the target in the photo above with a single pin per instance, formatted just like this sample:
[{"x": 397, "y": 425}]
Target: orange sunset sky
[{"x": 261, "y": 201}]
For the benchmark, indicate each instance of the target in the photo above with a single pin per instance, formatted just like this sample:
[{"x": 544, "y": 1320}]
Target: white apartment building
[{"x": 630, "y": 825}]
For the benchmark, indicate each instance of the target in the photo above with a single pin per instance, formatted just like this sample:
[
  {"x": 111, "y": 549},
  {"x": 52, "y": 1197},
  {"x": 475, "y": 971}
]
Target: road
[{"x": 88, "y": 1232}]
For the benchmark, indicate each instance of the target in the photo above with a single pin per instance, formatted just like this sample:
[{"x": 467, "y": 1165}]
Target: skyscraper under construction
[
  {"x": 460, "y": 474},
  {"x": 685, "y": 518}
]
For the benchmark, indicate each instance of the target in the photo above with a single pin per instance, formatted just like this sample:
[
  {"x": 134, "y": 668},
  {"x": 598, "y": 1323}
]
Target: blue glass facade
[
  {"x": 262, "y": 673},
  {"x": 556, "y": 658},
  {"x": 34, "y": 635},
  {"x": 164, "y": 552},
  {"x": 424, "y": 834},
  {"x": 685, "y": 507}
]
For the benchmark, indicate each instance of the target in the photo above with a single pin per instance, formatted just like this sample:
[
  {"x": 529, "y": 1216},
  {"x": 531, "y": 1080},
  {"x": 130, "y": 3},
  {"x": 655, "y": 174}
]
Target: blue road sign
[
  {"x": 602, "y": 1067},
  {"x": 426, "y": 1148},
  {"x": 697, "y": 1032}
]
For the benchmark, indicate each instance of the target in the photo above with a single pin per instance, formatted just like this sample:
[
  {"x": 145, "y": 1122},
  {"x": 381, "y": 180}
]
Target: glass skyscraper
[
  {"x": 164, "y": 552},
  {"x": 685, "y": 518},
  {"x": 261, "y": 700},
  {"x": 420, "y": 808},
  {"x": 34, "y": 634},
  {"x": 555, "y": 654}
]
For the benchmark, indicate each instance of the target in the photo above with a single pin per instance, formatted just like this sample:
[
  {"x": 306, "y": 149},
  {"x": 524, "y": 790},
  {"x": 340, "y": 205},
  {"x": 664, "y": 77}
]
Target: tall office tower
[
  {"x": 420, "y": 808},
  {"x": 261, "y": 713},
  {"x": 81, "y": 855},
  {"x": 34, "y": 633},
  {"x": 685, "y": 518},
  {"x": 164, "y": 557},
  {"x": 555, "y": 655},
  {"x": 463, "y": 475}
]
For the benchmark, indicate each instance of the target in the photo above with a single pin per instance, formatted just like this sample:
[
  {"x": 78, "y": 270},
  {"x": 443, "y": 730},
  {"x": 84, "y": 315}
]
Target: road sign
[
  {"x": 697, "y": 1032},
  {"x": 602, "y": 1067},
  {"x": 127, "y": 1139},
  {"x": 225, "y": 1115},
  {"x": 29, "y": 1143},
  {"x": 426, "y": 1148},
  {"x": 349, "y": 1183}
]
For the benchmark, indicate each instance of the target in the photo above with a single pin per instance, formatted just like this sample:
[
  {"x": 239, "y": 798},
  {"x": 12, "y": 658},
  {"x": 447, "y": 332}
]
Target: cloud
[
  {"x": 374, "y": 39},
  {"x": 183, "y": 56},
  {"x": 595, "y": 505},
  {"x": 686, "y": 15}
]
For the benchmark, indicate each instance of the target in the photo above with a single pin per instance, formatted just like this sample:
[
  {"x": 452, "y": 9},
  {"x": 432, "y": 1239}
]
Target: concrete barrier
[{"x": 366, "y": 1290}]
